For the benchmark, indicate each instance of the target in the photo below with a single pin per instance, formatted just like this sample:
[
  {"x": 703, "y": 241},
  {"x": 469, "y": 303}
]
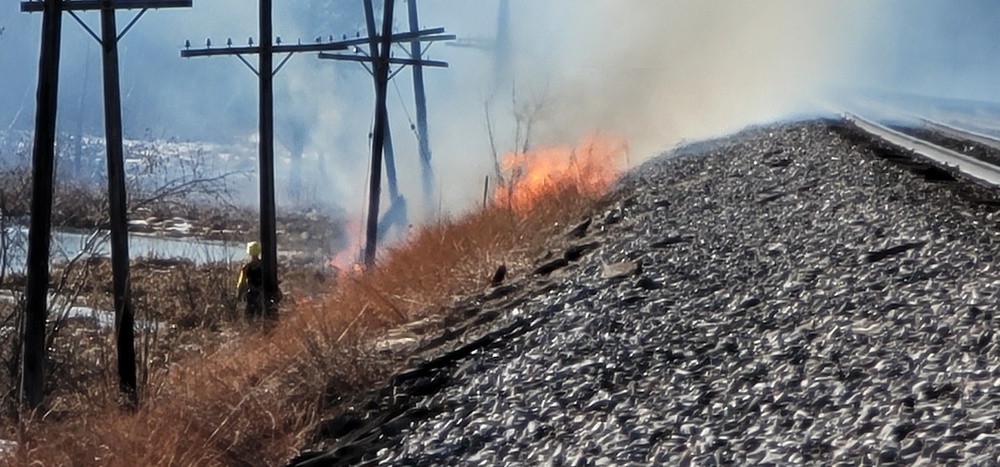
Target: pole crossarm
[
  {"x": 72, "y": 6},
  {"x": 394, "y": 61},
  {"x": 427, "y": 35},
  {"x": 404, "y": 36},
  {"x": 436, "y": 38},
  {"x": 422, "y": 35},
  {"x": 83, "y": 5},
  {"x": 417, "y": 51},
  {"x": 252, "y": 50}
]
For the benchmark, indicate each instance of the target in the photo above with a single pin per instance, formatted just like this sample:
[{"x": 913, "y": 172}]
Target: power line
[{"x": 406, "y": 111}]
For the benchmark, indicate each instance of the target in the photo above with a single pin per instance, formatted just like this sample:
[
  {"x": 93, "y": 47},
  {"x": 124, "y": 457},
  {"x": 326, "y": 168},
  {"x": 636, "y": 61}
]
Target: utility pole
[
  {"x": 268, "y": 224},
  {"x": 396, "y": 214},
  {"x": 38, "y": 264},
  {"x": 423, "y": 138},
  {"x": 380, "y": 69},
  {"x": 381, "y": 135},
  {"x": 40, "y": 224},
  {"x": 124, "y": 313},
  {"x": 501, "y": 46}
]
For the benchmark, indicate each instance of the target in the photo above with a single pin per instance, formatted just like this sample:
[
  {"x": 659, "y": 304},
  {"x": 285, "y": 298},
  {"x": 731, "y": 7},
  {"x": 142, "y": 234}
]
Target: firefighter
[{"x": 250, "y": 285}]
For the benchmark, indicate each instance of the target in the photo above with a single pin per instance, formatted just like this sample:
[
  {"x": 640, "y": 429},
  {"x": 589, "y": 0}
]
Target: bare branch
[{"x": 493, "y": 144}]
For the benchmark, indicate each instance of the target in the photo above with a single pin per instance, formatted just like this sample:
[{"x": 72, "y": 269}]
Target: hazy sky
[{"x": 653, "y": 71}]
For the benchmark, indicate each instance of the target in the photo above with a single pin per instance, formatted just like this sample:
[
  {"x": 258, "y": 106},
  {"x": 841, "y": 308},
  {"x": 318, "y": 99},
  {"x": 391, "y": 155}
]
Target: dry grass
[{"x": 252, "y": 400}]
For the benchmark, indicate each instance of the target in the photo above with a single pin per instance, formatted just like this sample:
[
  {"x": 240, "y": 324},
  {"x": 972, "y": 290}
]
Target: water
[{"x": 66, "y": 245}]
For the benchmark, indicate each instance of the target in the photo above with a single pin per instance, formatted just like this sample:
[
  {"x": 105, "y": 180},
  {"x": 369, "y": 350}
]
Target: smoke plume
[{"x": 654, "y": 72}]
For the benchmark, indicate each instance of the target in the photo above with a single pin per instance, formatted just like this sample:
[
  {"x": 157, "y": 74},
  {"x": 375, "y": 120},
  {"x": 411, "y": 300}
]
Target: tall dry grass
[{"x": 252, "y": 401}]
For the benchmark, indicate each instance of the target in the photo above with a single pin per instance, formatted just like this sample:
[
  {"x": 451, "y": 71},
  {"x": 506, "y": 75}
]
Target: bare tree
[
  {"x": 493, "y": 143},
  {"x": 527, "y": 113},
  {"x": 168, "y": 179}
]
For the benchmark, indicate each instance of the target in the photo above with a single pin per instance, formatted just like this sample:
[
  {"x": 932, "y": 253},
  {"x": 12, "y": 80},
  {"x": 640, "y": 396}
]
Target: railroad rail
[
  {"x": 960, "y": 134},
  {"x": 951, "y": 161}
]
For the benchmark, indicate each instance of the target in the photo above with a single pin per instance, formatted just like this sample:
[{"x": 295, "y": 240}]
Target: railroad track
[
  {"x": 961, "y": 134},
  {"x": 952, "y": 161}
]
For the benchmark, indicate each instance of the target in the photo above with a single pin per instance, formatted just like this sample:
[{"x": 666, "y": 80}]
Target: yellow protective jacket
[{"x": 251, "y": 278}]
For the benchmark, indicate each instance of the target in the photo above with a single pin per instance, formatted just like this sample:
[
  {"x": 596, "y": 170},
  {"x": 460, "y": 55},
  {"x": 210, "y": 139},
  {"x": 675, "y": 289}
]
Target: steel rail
[
  {"x": 961, "y": 134},
  {"x": 980, "y": 171}
]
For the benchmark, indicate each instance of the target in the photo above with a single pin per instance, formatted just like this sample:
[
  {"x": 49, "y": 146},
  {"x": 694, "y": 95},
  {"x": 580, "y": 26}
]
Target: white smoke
[{"x": 653, "y": 71}]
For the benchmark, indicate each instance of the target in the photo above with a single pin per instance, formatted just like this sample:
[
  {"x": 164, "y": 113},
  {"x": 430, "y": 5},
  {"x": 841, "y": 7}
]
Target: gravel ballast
[{"x": 787, "y": 295}]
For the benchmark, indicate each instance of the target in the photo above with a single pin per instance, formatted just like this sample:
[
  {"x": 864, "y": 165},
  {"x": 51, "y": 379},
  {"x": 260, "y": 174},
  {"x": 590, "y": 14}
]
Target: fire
[
  {"x": 346, "y": 261},
  {"x": 590, "y": 167}
]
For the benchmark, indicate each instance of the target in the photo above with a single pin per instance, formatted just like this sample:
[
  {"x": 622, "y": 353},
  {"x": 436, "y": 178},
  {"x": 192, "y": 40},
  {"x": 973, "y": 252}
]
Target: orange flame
[
  {"x": 590, "y": 167},
  {"x": 345, "y": 261}
]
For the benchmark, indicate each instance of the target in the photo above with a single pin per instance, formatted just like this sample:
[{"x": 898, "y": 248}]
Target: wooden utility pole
[
  {"x": 380, "y": 69},
  {"x": 124, "y": 313},
  {"x": 396, "y": 214},
  {"x": 381, "y": 140},
  {"x": 501, "y": 46},
  {"x": 423, "y": 138},
  {"x": 268, "y": 224},
  {"x": 40, "y": 223},
  {"x": 42, "y": 179}
]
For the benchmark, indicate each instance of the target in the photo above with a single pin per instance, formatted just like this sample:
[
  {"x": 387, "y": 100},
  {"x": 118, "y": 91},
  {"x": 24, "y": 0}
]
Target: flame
[
  {"x": 590, "y": 167},
  {"x": 346, "y": 261}
]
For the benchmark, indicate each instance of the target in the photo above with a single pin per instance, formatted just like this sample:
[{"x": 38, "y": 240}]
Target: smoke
[
  {"x": 652, "y": 71},
  {"x": 655, "y": 72},
  {"x": 658, "y": 71}
]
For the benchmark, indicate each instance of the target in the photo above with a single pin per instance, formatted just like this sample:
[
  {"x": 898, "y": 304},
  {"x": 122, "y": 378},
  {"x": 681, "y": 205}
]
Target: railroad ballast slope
[{"x": 793, "y": 297}]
